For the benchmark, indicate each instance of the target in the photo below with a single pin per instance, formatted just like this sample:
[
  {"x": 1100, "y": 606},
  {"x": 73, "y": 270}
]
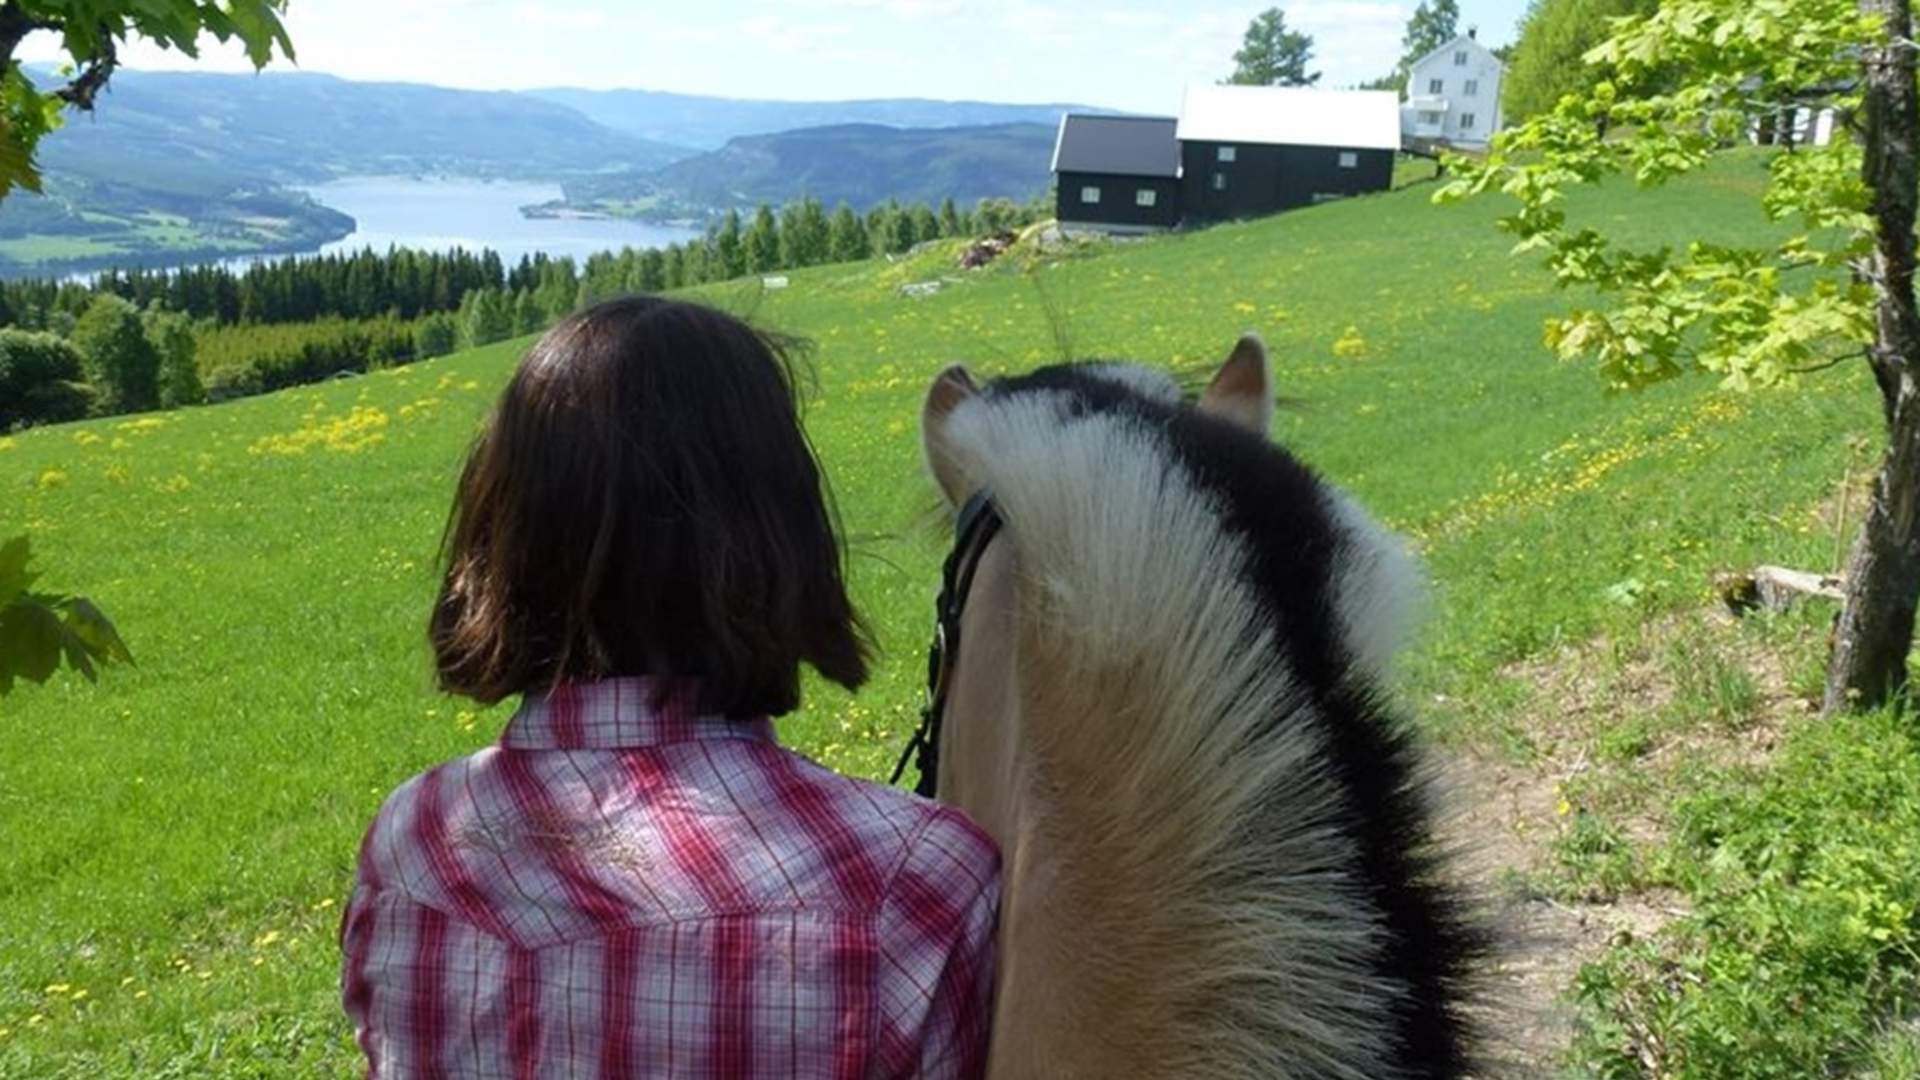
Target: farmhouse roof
[
  {"x": 1290, "y": 116},
  {"x": 1469, "y": 39},
  {"x": 1123, "y": 145}
]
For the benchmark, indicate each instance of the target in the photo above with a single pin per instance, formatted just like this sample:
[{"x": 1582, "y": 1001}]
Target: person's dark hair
[{"x": 643, "y": 501}]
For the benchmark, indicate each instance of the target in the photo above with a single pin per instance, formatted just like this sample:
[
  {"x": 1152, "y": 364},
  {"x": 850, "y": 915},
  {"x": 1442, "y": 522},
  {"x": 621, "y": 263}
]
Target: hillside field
[{"x": 175, "y": 843}]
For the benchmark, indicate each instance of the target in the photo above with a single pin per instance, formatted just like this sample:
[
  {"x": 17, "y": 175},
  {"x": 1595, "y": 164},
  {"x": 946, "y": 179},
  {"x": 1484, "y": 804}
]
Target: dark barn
[
  {"x": 1252, "y": 150},
  {"x": 1118, "y": 173}
]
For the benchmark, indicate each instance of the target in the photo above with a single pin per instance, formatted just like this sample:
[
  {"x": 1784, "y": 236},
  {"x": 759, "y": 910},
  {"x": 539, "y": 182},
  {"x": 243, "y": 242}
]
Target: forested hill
[
  {"x": 175, "y": 127},
  {"x": 708, "y": 123},
  {"x": 862, "y": 165}
]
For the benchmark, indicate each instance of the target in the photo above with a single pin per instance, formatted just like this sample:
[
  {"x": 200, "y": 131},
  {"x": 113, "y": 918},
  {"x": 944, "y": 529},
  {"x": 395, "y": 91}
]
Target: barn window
[
  {"x": 1146, "y": 196},
  {"x": 1466, "y": 121},
  {"x": 1349, "y": 159},
  {"x": 1090, "y": 195},
  {"x": 1229, "y": 153},
  {"x": 1219, "y": 181},
  {"x": 1436, "y": 86},
  {"x": 1460, "y": 58},
  {"x": 1472, "y": 89}
]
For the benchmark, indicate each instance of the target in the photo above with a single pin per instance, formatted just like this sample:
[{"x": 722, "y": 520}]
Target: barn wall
[
  {"x": 1117, "y": 204},
  {"x": 1264, "y": 179}
]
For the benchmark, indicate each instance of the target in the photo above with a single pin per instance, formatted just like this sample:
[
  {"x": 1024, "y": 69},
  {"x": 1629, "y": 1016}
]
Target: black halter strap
[{"x": 975, "y": 528}]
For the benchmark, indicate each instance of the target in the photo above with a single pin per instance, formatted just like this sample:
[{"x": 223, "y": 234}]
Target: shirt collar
[{"x": 615, "y": 714}]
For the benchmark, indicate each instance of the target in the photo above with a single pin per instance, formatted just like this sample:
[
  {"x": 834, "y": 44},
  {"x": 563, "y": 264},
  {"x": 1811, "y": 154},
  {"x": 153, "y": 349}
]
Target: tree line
[{"x": 135, "y": 340}]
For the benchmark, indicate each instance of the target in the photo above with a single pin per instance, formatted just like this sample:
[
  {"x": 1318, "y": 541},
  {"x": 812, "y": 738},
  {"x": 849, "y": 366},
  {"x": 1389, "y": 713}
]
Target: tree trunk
[{"x": 1875, "y": 633}]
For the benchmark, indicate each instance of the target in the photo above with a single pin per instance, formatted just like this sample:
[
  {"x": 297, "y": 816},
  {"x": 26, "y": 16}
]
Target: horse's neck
[{"x": 1049, "y": 1019}]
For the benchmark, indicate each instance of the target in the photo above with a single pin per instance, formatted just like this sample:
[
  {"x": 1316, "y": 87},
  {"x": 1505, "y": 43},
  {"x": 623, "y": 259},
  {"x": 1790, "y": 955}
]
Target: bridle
[{"x": 978, "y": 523}]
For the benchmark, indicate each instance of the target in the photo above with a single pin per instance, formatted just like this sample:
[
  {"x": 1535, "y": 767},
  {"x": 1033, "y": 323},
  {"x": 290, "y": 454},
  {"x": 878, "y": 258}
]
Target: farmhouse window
[
  {"x": 1228, "y": 153},
  {"x": 1436, "y": 86},
  {"x": 1219, "y": 181},
  {"x": 1430, "y": 117},
  {"x": 1472, "y": 89},
  {"x": 1466, "y": 121},
  {"x": 1146, "y": 196},
  {"x": 1090, "y": 195},
  {"x": 1349, "y": 159},
  {"x": 1460, "y": 58}
]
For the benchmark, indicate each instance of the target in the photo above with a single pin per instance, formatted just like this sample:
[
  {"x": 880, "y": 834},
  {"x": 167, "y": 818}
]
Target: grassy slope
[{"x": 174, "y": 843}]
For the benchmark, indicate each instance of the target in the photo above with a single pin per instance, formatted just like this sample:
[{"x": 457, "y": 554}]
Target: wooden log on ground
[{"x": 1776, "y": 588}]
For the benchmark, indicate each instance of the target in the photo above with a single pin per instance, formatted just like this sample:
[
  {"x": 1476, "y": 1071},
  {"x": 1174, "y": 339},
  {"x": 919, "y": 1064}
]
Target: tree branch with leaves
[
  {"x": 1692, "y": 80},
  {"x": 92, "y": 33}
]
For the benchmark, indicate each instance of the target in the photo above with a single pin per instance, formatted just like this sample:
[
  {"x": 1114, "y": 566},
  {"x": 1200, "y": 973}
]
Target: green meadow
[{"x": 176, "y": 842}]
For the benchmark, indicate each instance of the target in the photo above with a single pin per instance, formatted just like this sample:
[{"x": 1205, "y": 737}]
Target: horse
[{"x": 1160, "y": 688}]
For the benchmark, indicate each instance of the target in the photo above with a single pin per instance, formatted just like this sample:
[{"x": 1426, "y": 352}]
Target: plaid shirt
[{"x": 623, "y": 891}]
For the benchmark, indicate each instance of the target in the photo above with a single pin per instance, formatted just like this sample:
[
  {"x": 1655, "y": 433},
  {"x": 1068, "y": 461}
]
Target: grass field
[{"x": 175, "y": 843}]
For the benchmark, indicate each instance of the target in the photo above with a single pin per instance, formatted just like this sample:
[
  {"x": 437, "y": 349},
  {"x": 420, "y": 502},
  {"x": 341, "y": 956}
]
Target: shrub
[
  {"x": 171, "y": 335},
  {"x": 237, "y": 361},
  {"x": 436, "y": 335},
  {"x": 40, "y": 380},
  {"x": 120, "y": 362}
]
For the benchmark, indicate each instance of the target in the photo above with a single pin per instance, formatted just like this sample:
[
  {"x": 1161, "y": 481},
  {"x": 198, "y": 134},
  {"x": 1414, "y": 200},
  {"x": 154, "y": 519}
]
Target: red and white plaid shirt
[{"x": 623, "y": 891}]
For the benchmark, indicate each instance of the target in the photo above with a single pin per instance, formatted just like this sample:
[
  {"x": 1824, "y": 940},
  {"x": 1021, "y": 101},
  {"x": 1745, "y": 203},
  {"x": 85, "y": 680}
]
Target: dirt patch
[{"x": 1617, "y": 722}]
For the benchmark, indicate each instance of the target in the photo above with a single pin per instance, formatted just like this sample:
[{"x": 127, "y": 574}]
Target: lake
[{"x": 437, "y": 213}]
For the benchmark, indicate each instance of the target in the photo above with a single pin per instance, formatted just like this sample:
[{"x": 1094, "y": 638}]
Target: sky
[{"x": 1123, "y": 54}]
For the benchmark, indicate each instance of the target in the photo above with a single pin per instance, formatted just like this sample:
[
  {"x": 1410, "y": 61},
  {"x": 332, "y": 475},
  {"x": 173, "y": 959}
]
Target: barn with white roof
[
  {"x": 1234, "y": 152},
  {"x": 1251, "y": 150}
]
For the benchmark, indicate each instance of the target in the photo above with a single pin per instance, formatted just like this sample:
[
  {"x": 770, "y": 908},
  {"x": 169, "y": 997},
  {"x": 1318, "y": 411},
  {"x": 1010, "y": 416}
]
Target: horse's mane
[{"x": 1219, "y": 787}]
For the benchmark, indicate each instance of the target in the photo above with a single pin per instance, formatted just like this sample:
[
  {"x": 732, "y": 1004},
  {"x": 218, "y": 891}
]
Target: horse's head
[{"x": 1165, "y": 705}]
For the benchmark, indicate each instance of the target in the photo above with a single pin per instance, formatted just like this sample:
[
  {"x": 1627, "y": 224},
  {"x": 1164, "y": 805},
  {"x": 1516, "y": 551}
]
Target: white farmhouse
[{"x": 1453, "y": 94}]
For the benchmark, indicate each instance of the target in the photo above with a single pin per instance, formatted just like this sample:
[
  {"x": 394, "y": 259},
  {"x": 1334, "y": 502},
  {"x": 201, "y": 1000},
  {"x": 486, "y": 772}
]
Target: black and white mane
[{"x": 1234, "y": 807}]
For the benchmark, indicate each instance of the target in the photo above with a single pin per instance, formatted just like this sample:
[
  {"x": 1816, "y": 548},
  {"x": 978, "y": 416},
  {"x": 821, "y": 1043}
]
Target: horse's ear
[
  {"x": 1242, "y": 391},
  {"x": 950, "y": 388}
]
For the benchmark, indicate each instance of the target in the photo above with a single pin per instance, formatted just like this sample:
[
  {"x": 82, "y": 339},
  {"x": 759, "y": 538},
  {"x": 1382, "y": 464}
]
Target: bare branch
[{"x": 1830, "y": 362}]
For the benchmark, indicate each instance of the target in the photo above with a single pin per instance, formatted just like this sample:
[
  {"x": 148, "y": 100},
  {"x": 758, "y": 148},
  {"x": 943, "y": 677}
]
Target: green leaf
[
  {"x": 14, "y": 576},
  {"x": 32, "y": 641},
  {"x": 93, "y": 629}
]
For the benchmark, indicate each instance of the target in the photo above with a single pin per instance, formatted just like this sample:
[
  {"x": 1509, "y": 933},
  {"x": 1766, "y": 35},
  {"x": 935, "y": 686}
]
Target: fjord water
[{"x": 436, "y": 213}]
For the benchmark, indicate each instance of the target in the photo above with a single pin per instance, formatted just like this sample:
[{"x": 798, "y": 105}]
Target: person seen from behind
[{"x": 638, "y": 880}]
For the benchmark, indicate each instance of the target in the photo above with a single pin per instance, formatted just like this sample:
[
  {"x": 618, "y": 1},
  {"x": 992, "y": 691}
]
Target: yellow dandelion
[
  {"x": 1350, "y": 345},
  {"x": 85, "y": 438},
  {"x": 58, "y": 988},
  {"x": 52, "y": 479}
]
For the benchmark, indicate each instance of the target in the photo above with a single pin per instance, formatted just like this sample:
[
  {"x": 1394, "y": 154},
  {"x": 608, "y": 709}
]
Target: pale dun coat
[{"x": 1217, "y": 844}]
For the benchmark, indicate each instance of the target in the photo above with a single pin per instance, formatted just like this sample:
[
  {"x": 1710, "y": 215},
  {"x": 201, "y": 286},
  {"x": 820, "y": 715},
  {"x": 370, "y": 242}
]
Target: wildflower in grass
[
  {"x": 8, "y": 442},
  {"x": 117, "y": 474},
  {"x": 79, "y": 995},
  {"x": 173, "y": 485},
  {"x": 86, "y": 438},
  {"x": 36, "y": 1019},
  {"x": 56, "y": 989},
  {"x": 1350, "y": 345},
  {"x": 143, "y": 426},
  {"x": 1244, "y": 308},
  {"x": 51, "y": 479},
  {"x": 267, "y": 939}
]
